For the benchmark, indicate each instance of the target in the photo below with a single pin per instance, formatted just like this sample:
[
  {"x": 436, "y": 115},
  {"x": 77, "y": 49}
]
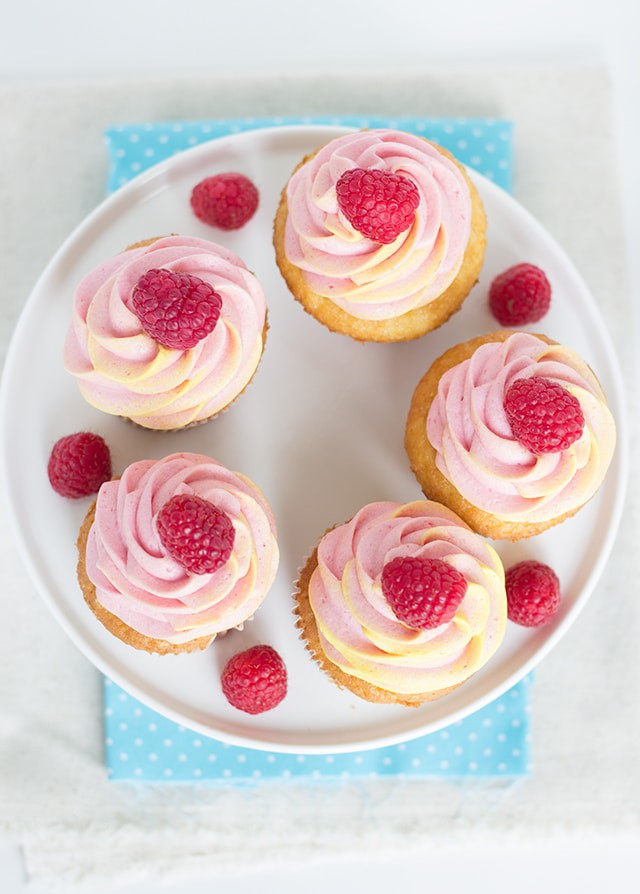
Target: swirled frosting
[
  {"x": 358, "y": 629},
  {"x": 475, "y": 448},
  {"x": 138, "y": 582},
  {"x": 368, "y": 280},
  {"x": 124, "y": 371}
]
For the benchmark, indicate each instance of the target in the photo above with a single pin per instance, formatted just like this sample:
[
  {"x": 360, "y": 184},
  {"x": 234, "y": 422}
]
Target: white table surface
[{"x": 152, "y": 37}]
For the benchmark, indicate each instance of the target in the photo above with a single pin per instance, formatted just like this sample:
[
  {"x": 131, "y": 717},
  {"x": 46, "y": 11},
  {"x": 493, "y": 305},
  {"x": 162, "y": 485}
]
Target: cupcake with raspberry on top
[
  {"x": 167, "y": 333},
  {"x": 403, "y": 603},
  {"x": 512, "y": 431},
  {"x": 380, "y": 235},
  {"x": 176, "y": 552}
]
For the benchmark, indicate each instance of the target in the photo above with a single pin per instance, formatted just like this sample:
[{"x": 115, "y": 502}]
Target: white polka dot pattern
[{"x": 144, "y": 746}]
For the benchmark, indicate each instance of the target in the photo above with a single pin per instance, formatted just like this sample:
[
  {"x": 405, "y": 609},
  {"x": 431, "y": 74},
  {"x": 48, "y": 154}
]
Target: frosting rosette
[
  {"x": 366, "y": 279},
  {"x": 357, "y": 628},
  {"x": 136, "y": 579},
  {"x": 122, "y": 370},
  {"x": 476, "y": 450}
]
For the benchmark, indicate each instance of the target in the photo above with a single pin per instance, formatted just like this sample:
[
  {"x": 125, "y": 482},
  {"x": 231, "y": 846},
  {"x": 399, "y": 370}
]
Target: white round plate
[{"x": 321, "y": 432}]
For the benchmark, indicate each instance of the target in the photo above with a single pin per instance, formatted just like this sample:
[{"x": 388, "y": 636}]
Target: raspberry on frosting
[
  {"x": 227, "y": 200},
  {"x": 197, "y": 534},
  {"x": 544, "y": 416},
  {"x": 423, "y": 593},
  {"x": 79, "y": 464},
  {"x": 176, "y": 309},
  {"x": 378, "y": 204},
  {"x": 255, "y": 680}
]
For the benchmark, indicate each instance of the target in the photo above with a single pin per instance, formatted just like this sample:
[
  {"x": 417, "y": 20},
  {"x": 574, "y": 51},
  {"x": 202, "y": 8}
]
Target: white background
[{"x": 78, "y": 39}]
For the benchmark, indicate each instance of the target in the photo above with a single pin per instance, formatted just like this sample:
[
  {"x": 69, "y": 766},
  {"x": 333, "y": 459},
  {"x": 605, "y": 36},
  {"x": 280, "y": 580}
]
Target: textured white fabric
[{"x": 54, "y": 795}]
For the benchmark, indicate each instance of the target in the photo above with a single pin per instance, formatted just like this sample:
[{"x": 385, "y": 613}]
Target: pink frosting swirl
[
  {"x": 135, "y": 578},
  {"x": 475, "y": 448},
  {"x": 122, "y": 370},
  {"x": 358, "y": 629},
  {"x": 368, "y": 280}
]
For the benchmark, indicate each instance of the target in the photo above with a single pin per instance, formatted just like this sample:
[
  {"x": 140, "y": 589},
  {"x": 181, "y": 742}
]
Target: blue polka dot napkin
[{"x": 141, "y": 744}]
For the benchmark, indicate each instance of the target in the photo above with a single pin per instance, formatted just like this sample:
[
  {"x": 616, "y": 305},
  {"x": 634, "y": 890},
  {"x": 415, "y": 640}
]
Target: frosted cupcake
[
  {"x": 176, "y": 552},
  {"x": 380, "y": 235},
  {"x": 403, "y": 603},
  {"x": 512, "y": 431},
  {"x": 167, "y": 333}
]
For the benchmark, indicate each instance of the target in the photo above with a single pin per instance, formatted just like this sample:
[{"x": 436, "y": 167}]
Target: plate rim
[{"x": 263, "y": 743}]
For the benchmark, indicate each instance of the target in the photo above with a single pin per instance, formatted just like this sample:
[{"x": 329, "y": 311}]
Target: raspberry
[
  {"x": 226, "y": 201},
  {"x": 544, "y": 416},
  {"x": 176, "y": 309},
  {"x": 378, "y": 204},
  {"x": 423, "y": 593},
  {"x": 195, "y": 533},
  {"x": 533, "y": 593},
  {"x": 521, "y": 294},
  {"x": 79, "y": 464},
  {"x": 255, "y": 680}
]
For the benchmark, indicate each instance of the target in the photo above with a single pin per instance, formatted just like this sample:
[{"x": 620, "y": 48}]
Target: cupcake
[
  {"x": 380, "y": 235},
  {"x": 512, "y": 431},
  {"x": 168, "y": 333},
  {"x": 403, "y": 603},
  {"x": 176, "y": 552}
]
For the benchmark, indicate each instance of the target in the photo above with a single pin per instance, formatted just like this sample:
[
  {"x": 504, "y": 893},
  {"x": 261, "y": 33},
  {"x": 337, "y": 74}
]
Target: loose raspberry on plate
[
  {"x": 227, "y": 201},
  {"x": 176, "y": 309},
  {"x": 195, "y": 533},
  {"x": 522, "y": 294},
  {"x": 423, "y": 593},
  {"x": 533, "y": 593},
  {"x": 79, "y": 464},
  {"x": 255, "y": 680},
  {"x": 378, "y": 204},
  {"x": 544, "y": 416}
]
